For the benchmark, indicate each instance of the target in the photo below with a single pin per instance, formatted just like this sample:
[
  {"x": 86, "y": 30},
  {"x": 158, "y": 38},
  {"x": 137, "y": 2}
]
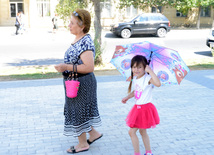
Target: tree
[
  {"x": 98, "y": 31},
  {"x": 141, "y": 4},
  {"x": 186, "y": 5},
  {"x": 64, "y": 9}
]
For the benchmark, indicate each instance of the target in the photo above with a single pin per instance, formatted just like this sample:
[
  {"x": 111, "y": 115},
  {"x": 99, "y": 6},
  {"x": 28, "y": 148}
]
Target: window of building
[
  {"x": 157, "y": 10},
  {"x": 180, "y": 14},
  {"x": 15, "y": 7},
  {"x": 106, "y": 8},
  {"x": 131, "y": 11},
  {"x": 205, "y": 12},
  {"x": 43, "y": 8}
]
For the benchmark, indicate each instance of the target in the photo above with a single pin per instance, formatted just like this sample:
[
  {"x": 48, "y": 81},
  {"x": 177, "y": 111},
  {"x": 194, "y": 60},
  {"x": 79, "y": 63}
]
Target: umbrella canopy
[{"x": 166, "y": 63}]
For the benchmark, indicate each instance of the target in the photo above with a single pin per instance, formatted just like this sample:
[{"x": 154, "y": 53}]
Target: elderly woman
[{"x": 81, "y": 113}]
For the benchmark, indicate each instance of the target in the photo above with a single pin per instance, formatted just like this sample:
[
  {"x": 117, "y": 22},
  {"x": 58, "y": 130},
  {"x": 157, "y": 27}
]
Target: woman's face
[{"x": 74, "y": 27}]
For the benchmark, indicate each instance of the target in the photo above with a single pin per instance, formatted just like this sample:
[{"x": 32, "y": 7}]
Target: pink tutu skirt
[{"x": 143, "y": 116}]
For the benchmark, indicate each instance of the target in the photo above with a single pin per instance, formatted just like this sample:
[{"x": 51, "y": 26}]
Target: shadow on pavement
[
  {"x": 204, "y": 53},
  {"x": 202, "y": 77},
  {"x": 111, "y": 35},
  {"x": 26, "y": 62}
]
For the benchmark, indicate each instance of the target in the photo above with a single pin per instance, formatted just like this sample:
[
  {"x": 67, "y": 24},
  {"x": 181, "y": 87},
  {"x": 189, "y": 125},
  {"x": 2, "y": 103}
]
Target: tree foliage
[
  {"x": 186, "y": 5},
  {"x": 65, "y": 7},
  {"x": 141, "y": 4},
  {"x": 183, "y": 6}
]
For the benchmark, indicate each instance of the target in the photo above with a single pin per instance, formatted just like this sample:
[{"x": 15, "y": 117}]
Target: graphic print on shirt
[{"x": 138, "y": 92}]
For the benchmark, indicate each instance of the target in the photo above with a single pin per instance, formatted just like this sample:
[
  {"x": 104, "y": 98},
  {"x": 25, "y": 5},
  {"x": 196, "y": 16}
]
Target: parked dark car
[
  {"x": 146, "y": 23},
  {"x": 210, "y": 38}
]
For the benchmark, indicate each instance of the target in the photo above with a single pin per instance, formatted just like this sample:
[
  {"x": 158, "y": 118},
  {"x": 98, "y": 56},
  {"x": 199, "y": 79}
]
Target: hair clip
[{"x": 77, "y": 15}]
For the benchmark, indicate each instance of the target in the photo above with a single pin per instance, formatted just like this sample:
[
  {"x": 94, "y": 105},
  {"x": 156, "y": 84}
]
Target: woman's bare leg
[
  {"x": 94, "y": 134},
  {"x": 83, "y": 145}
]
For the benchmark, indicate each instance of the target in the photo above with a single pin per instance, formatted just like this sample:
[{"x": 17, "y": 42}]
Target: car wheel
[
  {"x": 126, "y": 33},
  {"x": 161, "y": 32}
]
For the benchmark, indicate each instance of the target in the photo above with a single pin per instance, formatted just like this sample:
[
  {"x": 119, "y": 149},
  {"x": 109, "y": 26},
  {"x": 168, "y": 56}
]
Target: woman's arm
[
  {"x": 87, "y": 66},
  {"x": 154, "y": 80}
]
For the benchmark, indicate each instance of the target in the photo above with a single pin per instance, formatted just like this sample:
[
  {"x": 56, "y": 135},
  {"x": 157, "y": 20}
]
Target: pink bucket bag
[{"x": 72, "y": 84}]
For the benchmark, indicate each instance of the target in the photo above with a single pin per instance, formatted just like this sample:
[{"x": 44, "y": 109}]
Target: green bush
[{"x": 98, "y": 55}]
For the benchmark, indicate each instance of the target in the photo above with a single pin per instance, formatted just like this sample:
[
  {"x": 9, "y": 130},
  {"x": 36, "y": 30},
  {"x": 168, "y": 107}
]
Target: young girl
[{"x": 143, "y": 115}]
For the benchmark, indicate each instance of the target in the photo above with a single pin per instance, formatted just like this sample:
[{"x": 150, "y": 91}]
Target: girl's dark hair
[{"x": 138, "y": 59}]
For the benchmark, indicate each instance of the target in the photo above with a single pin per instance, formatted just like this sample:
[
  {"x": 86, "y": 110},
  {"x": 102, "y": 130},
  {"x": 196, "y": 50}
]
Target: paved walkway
[{"x": 31, "y": 117}]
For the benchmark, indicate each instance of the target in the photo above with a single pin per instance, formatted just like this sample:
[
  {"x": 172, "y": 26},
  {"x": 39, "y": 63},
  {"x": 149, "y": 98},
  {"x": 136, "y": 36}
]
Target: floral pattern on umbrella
[{"x": 165, "y": 62}]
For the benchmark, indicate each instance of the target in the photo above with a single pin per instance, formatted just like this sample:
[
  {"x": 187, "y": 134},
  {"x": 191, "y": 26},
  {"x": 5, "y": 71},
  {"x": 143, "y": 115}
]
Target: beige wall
[
  {"x": 30, "y": 13},
  {"x": 190, "y": 20},
  {"x": 5, "y": 19},
  {"x": 36, "y": 21},
  {"x": 4, "y": 13}
]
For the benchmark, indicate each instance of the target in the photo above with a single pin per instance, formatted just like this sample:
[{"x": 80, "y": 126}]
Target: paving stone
[{"x": 31, "y": 120}]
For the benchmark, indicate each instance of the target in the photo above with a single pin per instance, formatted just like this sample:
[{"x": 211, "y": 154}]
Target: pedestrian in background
[
  {"x": 144, "y": 114},
  {"x": 18, "y": 23},
  {"x": 55, "y": 23},
  {"x": 81, "y": 113}
]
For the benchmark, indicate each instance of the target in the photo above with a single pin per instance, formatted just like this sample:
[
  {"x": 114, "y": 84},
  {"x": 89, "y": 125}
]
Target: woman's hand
[{"x": 61, "y": 67}]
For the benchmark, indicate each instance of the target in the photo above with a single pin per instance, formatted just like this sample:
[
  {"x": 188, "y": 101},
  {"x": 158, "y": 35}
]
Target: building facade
[{"x": 40, "y": 12}]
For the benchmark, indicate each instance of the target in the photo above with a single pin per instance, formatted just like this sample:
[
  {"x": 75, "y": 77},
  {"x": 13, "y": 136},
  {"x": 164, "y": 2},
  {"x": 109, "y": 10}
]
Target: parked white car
[{"x": 210, "y": 38}]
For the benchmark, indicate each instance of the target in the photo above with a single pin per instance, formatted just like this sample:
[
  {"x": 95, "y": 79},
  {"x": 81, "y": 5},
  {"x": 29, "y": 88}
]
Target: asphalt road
[
  {"x": 41, "y": 47},
  {"x": 189, "y": 43}
]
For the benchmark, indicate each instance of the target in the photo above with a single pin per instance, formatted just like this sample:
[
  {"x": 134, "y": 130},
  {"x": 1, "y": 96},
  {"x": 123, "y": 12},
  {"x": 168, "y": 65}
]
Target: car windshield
[
  {"x": 141, "y": 18},
  {"x": 134, "y": 18},
  {"x": 149, "y": 17}
]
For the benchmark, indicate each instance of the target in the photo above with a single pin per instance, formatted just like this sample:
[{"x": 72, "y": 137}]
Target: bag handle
[
  {"x": 74, "y": 72},
  {"x": 73, "y": 75}
]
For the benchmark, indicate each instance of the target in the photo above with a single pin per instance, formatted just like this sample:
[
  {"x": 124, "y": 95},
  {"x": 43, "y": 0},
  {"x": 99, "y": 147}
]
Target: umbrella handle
[{"x": 150, "y": 57}]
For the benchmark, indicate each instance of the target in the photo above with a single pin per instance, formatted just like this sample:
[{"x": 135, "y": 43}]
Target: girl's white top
[{"x": 142, "y": 89}]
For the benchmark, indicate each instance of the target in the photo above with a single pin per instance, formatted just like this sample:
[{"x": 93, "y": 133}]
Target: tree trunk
[
  {"x": 98, "y": 32},
  {"x": 213, "y": 21},
  {"x": 199, "y": 16},
  {"x": 97, "y": 21}
]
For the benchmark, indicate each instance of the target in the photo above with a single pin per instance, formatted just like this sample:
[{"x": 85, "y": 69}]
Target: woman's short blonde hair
[{"x": 84, "y": 19}]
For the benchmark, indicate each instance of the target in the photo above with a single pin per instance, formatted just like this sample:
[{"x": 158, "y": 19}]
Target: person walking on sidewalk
[
  {"x": 144, "y": 114},
  {"x": 55, "y": 23},
  {"x": 18, "y": 23},
  {"x": 81, "y": 113}
]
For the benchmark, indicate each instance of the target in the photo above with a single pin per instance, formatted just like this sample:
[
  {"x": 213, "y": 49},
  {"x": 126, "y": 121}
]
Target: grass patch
[
  {"x": 30, "y": 76},
  {"x": 47, "y": 72},
  {"x": 201, "y": 66}
]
